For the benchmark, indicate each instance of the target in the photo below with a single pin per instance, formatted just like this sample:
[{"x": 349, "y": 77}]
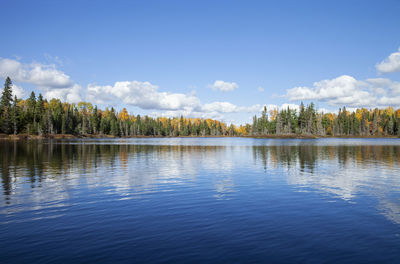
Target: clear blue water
[{"x": 197, "y": 200}]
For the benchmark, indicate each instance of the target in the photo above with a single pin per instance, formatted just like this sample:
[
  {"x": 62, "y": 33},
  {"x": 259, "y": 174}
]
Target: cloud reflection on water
[
  {"x": 347, "y": 172},
  {"x": 50, "y": 174}
]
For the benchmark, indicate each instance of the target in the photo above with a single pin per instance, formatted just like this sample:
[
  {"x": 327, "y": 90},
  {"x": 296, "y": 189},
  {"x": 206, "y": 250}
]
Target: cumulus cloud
[
  {"x": 34, "y": 73},
  {"x": 226, "y": 107},
  {"x": 19, "y": 91},
  {"x": 346, "y": 90},
  {"x": 224, "y": 86},
  {"x": 53, "y": 83},
  {"x": 390, "y": 64},
  {"x": 394, "y": 101},
  {"x": 141, "y": 94},
  {"x": 46, "y": 78},
  {"x": 147, "y": 96},
  {"x": 383, "y": 86},
  {"x": 324, "y": 110},
  {"x": 70, "y": 94},
  {"x": 290, "y": 106},
  {"x": 343, "y": 88}
]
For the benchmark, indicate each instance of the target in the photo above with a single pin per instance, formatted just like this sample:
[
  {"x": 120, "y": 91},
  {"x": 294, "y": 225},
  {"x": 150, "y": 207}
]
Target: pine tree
[
  {"x": 40, "y": 118},
  {"x": 31, "y": 114},
  {"x": 5, "y": 106},
  {"x": 6, "y": 97},
  {"x": 302, "y": 118}
]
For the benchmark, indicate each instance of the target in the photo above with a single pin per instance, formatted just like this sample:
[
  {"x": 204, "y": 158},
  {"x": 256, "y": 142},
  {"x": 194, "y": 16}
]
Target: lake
[{"x": 199, "y": 200}]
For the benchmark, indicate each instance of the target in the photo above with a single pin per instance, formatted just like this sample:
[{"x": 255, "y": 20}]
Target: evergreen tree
[
  {"x": 302, "y": 118},
  {"x": 5, "y": 106},
  {"x": 40, "y": 117},
  {"x": 31, "y": 114}
]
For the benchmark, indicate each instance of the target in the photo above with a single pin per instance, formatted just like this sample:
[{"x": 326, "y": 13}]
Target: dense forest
[
  {"x": 38, "y": 116},
  {"x": 308, "y": 121}
]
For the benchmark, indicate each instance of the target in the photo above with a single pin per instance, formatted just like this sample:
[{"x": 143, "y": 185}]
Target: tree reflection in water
[{"x": 45, "y": 172}]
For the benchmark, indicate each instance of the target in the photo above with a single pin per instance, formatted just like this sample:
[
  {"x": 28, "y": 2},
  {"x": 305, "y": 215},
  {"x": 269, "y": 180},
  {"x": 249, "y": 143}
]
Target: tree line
[
  {"x": 308, "y": 121},
  {"x": 38, "y": 116}
]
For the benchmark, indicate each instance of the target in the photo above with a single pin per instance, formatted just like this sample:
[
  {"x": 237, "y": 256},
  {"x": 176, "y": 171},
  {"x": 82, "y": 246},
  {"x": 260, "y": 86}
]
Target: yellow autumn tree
[{"x": 123, "y": 115}]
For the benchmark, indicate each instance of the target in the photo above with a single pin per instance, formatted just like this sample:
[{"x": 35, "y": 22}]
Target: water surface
[{"x": 188, "y": 200}]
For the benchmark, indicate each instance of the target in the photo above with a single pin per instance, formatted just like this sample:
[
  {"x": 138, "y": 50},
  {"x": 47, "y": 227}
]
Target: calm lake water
[{"x": 197, "y": 200}]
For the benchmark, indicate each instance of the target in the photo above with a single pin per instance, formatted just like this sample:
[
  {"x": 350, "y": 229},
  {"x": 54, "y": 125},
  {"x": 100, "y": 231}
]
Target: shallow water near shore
[{"x": 185, "y": 200}]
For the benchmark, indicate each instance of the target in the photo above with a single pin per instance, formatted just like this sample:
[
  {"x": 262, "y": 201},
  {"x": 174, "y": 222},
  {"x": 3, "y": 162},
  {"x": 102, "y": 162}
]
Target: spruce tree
[
  {"x": 40, "y": 117},
  {"x": 302, "y": 118},
  {"x": 31, "y": 114},
  {"x": 5, "y": 106}
]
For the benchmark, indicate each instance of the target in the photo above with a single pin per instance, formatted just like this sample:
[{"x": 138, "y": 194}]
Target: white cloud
[
  {"x": 389, "y": 101},
  {"x": 346, "y": 90},
  {"x": 390, "y": 64},
  {"x": 340, "y": 87},
  {"x": 147, "y": 96},
  {"x": 141, "y": 94},
  {"x": 226, "y": 107},
  {"x": 19, "y": 91},
  {"x": 224, "y": 86},
  {"x": 34, "y": 73},
  {"x": 383, "y": 85},
  {"x": 52, "y": 82},
  {"x": 221, "y": 107},
  {"x": 290, "y": 106},
  {"x": 324, "y": 111},
  {"x": 70, "y": 94},
  {"x": 260, "y": 89}
]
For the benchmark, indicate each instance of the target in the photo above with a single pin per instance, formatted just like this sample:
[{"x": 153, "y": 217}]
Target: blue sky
[{"x": 224, "y": 59}]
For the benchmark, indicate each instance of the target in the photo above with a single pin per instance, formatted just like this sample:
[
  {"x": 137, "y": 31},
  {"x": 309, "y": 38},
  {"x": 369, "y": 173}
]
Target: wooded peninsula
[{"x": 36, "y": 116}]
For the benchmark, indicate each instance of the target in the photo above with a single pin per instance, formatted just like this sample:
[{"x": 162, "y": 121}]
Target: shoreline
[{"x": 70, "y": 136}]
